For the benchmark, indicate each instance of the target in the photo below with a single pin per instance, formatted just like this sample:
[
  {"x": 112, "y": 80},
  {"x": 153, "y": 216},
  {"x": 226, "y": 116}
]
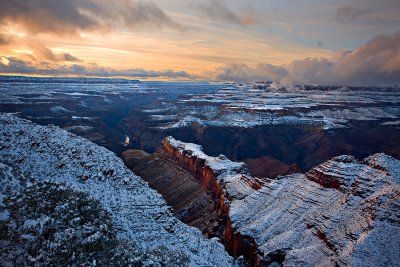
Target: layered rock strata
[
  {"x": 343, "y": 212},
  {"x": 226, "y": 181}
]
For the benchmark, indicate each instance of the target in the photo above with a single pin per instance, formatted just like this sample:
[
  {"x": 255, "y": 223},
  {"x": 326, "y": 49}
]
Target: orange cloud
[{"x": 32, "y": 48}]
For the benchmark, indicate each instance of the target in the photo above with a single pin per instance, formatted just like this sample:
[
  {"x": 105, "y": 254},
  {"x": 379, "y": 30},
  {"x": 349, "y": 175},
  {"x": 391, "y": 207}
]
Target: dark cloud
[
  {"x": 47, "y": 54},
  {"x": 71, "y": 16},
  {"x": 18, "y": 66},
  {"x": 218, "y": 10},
  {"x": 69, "y": 57},
  {"x": 375, "y": 63},
  {"x": 3, "y": 39},
  {"x": 349, "y": 14}
]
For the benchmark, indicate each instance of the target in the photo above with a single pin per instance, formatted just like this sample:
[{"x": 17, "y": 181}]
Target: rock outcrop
[
  {"x": 343, "y": 212},
  {"x": 227, "y": 181},
  {"x": 139, "y": 214}
]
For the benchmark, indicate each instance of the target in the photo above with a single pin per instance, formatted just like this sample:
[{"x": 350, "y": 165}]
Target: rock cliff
[{"x": 343, "y": 212}]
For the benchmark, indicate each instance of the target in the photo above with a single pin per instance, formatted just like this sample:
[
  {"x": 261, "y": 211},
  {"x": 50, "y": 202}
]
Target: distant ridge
[{"x": 79, "y": 80}]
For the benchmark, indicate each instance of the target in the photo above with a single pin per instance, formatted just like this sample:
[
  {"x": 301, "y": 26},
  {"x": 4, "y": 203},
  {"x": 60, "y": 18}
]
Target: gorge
[{"x": 336, "y": 210}]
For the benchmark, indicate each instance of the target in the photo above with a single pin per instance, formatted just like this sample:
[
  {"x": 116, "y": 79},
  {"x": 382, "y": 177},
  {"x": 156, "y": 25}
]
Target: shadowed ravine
[{"x": 189, "y": 200}]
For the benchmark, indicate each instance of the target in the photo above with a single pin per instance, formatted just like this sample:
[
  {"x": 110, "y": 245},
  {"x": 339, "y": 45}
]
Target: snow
[
  {"x": 49, "y": 153},
  {"x": 59, "y": 109},
  {"x": 77, "y": 94},
  {"x": 293, "y": 211},
  {"x": 386, "y": 163},
  {"x": 342, "y": 116},
  {"x": 217, "y": 164},
  {"x": 186, "y": 121},
  {"x": 391, "y": 123},
  {"x": 81, "y": 128},
  {"x": 81, "y": 118},
  {"x": 311, "y": 224},
  {"x": 234, "y": 176},
  {"x": 329, "y": 109}
]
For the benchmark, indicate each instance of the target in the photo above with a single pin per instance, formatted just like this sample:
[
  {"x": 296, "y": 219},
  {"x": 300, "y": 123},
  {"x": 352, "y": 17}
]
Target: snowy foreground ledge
[{"x": 29, "y": 152}]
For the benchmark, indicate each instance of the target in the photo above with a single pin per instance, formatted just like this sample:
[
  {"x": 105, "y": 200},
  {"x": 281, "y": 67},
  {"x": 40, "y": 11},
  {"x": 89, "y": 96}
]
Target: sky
[{"x": 333, "y": 42}]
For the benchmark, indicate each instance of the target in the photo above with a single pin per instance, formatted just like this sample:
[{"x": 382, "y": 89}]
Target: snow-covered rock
[
  {"x": 233, "y": 177},
  {"x": 349, "y": 220},
  {"x": 343, "y": 212},
  {"x": 139, "y": 214},
  {"x": 246, "y": 107}
]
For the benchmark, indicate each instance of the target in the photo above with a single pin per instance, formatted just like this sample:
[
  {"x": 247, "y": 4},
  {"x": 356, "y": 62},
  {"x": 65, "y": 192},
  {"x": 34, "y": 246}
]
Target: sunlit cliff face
[{"x": 220, "y": 40}]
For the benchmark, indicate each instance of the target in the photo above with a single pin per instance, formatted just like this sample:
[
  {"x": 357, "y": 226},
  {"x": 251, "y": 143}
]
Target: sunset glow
[{"x": 207, "y": 40}]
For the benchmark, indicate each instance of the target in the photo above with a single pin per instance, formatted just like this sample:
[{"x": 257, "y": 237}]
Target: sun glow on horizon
[{"x": 185, "y": 40}]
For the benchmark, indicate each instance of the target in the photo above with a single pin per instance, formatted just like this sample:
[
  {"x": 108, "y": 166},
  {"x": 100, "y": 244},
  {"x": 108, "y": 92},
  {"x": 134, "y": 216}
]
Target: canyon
[
  {"x": 290, "y": 130},
  {"x": 260, "y": 172},
  {"x": 342, "y": 212}
]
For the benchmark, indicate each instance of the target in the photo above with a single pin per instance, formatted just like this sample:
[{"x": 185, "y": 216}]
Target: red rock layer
[
  {"x": 329, "y": 174},
  {"x": 236, "y": 243},
  {"x": 325, "y": 180}
]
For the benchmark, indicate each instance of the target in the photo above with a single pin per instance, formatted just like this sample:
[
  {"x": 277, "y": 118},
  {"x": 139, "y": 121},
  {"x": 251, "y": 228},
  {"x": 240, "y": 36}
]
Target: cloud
[
  {"x": 4, "y": 39},
  {"x": 243, "y": 72},
  {"x": 69, "y": 57},
  {"x": 375, "y": 63},
  {"x": 349, "y": 14},
  {"x": 34, "y": 47},
  {"x": 218, "y": 10},
  {"x": 72, "y": 16},
  {"x": 45, "y": 53},
  {"x": 18, "y": 66}
]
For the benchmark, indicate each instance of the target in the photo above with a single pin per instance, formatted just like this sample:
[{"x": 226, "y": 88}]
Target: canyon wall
[
  {"x": 343, "y": 212},
  {"x": 226, "y": 181},
  {"x": 190, "y": 202}
]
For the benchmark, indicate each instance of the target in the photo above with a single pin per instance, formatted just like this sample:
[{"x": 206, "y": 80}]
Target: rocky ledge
[
  {"x": 343, "y": 212},
  {"x": 108, "y": 203}
]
